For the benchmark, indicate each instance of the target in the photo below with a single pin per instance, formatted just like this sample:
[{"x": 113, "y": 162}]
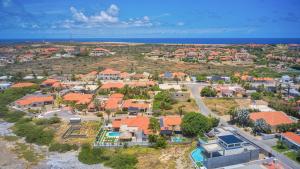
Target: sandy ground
[
  {"x": 66, "y": 160},
  {"x": 51, "y": 160}
]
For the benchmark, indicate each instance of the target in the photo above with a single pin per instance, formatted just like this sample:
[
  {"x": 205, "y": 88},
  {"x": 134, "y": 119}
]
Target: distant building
[
  {"x": 100, "y": 52},
  {"x": 109, "y": 74}
]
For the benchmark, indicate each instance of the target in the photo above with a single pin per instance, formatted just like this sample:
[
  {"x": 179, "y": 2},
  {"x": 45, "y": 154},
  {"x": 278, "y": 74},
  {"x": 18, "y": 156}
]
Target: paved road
[{"x": 194, "y": 87}]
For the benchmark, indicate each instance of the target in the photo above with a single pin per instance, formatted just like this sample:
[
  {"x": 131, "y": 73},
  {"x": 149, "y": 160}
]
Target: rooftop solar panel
[{"x": 230, "y": 139}]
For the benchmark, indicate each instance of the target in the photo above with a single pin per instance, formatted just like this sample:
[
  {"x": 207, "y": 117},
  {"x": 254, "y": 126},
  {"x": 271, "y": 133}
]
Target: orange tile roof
[
  {"x": 23, "y": 84},
  {"x": 110, "y": 71},
  {"x": 263, "y": 79},
  {"x": 49, "y": 82},
  {"x": 141, "y": 84},
  {"x": 116, "y": 95},
  {"x": 292, "y": 136},
  {"x": 111, "y": 85},
  {"x": 101, "y": 49},
  {"x": 124, "y": 75},
  {"x": 169, "y": 121},
  {"x": 79, "y": 98},
  {"x": 57, "y": 85},
  {"x": 141, "y": 122},
  {"x": 34, "y": 99},
  {"x": 131, "y": 103},
  {"x": 272, "y": 118}
]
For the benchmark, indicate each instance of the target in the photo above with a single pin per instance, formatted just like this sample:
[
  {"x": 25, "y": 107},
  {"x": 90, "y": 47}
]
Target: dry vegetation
[
  {"x": 90, "y": 129},
  {"x": 175, "y": 156},
  {"x": 186, "y": 107},
  {"x": 220, "y": 105},
  {"x": 125, "y": 60}
]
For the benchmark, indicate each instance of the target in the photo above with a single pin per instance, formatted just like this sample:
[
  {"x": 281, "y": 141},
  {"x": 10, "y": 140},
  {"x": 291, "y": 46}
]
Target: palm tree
[
  {"x": 180, "y": 110},
  {"x": 108, "y": 112}
]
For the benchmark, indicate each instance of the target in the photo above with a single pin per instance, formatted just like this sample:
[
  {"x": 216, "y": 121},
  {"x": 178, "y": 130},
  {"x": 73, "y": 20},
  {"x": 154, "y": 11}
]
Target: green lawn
[
  {"x": 292, "y": 155},
  {"x": 280, "y": 150}
]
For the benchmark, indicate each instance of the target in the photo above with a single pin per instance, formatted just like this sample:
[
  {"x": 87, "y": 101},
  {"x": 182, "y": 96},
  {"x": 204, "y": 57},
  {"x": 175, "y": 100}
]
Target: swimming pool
[
  {"x": 197, "y": 155},
  {"x": 176, "y": 139},
  {"x": 113, "y": 134}
]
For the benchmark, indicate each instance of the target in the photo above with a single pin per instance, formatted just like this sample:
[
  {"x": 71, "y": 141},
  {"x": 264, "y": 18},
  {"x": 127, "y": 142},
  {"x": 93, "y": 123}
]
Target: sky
[{"x": 44, "y": 19}]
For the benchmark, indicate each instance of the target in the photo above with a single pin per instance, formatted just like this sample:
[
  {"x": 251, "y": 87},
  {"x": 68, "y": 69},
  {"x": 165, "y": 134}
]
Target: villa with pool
[
  {"x": 225, "y": 149},
  {"x": 129, "y": 130},
  {"x": 135, "y": 130}
]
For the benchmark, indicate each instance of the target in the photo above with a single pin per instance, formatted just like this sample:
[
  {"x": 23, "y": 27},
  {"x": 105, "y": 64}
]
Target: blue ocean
[{"x": 168, "y": 40}]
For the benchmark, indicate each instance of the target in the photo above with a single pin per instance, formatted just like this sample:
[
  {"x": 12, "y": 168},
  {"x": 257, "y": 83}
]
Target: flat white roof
[{"x": 212, "y": 147}]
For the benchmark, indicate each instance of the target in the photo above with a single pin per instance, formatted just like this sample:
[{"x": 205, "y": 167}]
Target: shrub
[
  {"x": 122, "y": 161},
  {"x": 33, "y": 133},
  {"x": 89, "y": 155},
  {"x": 208, "y": 91},
  {"x": 194, "y": 124},
  {"x": 62, "y": 147},
  {"x": 256, "y": 96}
]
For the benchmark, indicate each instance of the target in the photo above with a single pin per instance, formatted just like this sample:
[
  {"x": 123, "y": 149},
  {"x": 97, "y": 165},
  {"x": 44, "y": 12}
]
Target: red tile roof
[
  {"x": 111, "y": 85},
  {"x": 79, "y": 98},
  {"x": 292, "y": 137},
  {"x": 110, "y": 71},
  {"x": 23, "y": 84},
  {"x": 113, "y": 101},
  {"x": 272, "y": 118},
  {"x": 169, "y": 121},
  {"x": 34, "y": 99},
  {"x": 141, "y": 122},
  {"x": 116, "y": 95},
  {"x": 49, "y": 82},
  {"x": 131, "y": 103}
]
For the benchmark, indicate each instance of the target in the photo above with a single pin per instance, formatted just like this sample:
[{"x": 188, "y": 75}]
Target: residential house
[
  {"x": 170, "y": 125},
  {"x": 112, "y": 86},
  {"x": 114, "y": 102},
  {"x": 227, "y": 149},
  {"x": 4, "y": 85},
  {"x": 23, "y": 84},
  {"x": 91, "y": 76},
  {"x": 274, "y": 119},
  {"x": 292, "y": 140},
  {"x": 134, "y": 128},
  {"x": 135, "y": 106},
  {"x": 34, "y": 101},
  {"x": 109, "y": 74},
  {"x": 78, "y": 98},
  {"x": 180, "y": 95},
  {"x": 100, "y": 52}
]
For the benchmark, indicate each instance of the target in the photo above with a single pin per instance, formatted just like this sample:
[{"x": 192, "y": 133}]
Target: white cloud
[
  {"x": 139, "y": 22},
  {"x": 104, "y": 17},
  {"x": 107, "y": 18}
]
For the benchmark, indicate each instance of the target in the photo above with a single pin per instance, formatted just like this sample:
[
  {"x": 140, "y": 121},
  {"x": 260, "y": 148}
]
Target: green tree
[
  {"x": 194, "y": 124},
  {"x": 256, "y": 96},
  {"x": 208, "y": 91},
  {"x": 154, "y": 125}
]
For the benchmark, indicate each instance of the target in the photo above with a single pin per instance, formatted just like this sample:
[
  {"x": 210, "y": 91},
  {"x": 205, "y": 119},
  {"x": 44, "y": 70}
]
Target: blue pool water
[
  {"x": 197, "y": 155},
  {"x": 113, "y": 134},
  {"x": 176, "y": 139}
]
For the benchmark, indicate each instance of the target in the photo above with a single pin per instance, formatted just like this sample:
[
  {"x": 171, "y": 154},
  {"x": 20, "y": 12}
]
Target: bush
[
  {"x": 33, "y": 133},
  {"x": 62, "y": 147},
  {"x": 256, "y": 96},
  {"x": 87, "y": 155},
  {"x": 194, "y": 124},
  {"x": 51, "y": 120},
  {"x": 122, "y": 161},
  {"x": 208, "y": 91}
]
